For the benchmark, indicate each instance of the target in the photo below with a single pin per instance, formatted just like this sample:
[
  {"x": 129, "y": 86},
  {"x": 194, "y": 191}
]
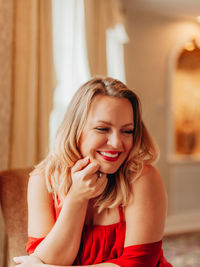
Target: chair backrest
[{"x": 13, "y": 198}]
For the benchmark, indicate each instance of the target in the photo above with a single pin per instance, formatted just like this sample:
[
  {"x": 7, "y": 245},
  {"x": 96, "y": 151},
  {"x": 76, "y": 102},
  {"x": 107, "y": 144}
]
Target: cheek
[
  {"x": 129, "y": 145},
  {"x": 90, "y": 144},
  {"x": 83, "y": 145}
]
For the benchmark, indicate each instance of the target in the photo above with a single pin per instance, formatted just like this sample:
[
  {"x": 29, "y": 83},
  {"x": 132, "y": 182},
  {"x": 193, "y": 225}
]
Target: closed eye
[
  {"x": 128, "y": 131},
  {"x": 102, "y": 129}
]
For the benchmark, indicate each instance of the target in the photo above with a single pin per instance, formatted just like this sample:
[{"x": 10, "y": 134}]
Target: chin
[
  {"x": 108, "y": 167},
  {"x": 109, "y": 170}
]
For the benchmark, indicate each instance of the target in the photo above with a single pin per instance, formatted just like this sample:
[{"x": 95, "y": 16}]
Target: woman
[{"x": 96, "y": 200}]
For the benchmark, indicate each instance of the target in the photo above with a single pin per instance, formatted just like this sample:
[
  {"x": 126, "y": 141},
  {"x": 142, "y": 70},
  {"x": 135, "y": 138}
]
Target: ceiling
[{"x": 185, "y": 9}]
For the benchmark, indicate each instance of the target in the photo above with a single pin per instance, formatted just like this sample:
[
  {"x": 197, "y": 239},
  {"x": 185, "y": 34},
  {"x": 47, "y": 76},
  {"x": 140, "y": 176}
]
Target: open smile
[{"x": 109, "y": 155}]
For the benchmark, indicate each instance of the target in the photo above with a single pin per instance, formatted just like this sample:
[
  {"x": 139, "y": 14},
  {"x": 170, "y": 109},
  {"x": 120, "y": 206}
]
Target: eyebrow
[{"x": 109, "y": 123}]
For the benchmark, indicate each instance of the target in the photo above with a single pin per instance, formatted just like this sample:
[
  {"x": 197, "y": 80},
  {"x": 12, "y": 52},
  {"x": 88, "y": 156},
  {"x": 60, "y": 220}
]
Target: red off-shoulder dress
[{"x": 105, "y": 243}]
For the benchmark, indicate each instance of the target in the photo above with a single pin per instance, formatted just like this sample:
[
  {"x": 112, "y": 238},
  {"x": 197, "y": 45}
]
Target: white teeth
[{"x": 109, "y": 154}]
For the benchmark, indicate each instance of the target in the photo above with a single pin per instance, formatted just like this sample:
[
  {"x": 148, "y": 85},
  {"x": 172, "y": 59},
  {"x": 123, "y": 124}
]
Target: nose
[{"x": 115, "y": 140}]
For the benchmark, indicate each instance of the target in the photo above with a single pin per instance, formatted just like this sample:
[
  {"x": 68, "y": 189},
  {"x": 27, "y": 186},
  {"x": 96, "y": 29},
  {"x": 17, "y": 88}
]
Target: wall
[
  {"x": 6, "y": 17},
  {"x": 150, "y": 52}
]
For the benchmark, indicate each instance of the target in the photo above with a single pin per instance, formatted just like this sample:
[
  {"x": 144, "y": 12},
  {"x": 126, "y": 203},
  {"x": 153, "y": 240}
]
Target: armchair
[{"x": 13, "y": 200}]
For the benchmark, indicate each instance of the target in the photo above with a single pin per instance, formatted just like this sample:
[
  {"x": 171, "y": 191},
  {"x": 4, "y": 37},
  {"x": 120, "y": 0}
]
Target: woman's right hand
[{"x": 86, "y": 183}]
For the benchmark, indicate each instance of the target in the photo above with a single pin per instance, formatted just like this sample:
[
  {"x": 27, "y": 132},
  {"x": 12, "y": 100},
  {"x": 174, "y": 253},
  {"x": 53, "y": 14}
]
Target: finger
[
  {"x": 102, "y": 179},
  {"x": 101, "y": 185},
  {"x": 80, "y": 164},
  {"x": 20, "y": 259},
  {"x": 101, "y": 175},
  {"x": 90, "y": 170},
  {"x": 17, "y": 260}
]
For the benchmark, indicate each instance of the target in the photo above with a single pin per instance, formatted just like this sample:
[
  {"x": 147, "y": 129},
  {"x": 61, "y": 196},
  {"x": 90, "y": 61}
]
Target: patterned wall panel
[{"x": 6, "y": 32}]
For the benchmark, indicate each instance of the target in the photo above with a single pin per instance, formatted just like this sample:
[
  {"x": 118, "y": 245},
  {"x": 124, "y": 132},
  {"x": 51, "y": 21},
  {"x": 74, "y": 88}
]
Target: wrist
[{"x": 76, "y": 198}]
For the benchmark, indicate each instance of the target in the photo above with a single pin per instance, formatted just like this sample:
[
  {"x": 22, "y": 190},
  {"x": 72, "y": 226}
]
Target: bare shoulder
[
  {"x": 40, "y": 206},
  {"x": 149, "y": 185},
  {"x": 37, "y": 189},
  {"x": 149, "y": 189},
  {"x": 37, "y": 183},
  {"x": 147, "y": 208}
]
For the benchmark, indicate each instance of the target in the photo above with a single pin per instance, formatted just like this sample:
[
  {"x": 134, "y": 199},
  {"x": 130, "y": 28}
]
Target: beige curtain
[
  {"x": 99, "y": 16},
  {"x": 33, "y": 82}
]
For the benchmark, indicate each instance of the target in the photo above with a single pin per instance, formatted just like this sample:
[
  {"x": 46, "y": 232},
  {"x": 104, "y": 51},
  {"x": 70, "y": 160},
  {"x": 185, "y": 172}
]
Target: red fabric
[
  {"x": 32, "y": 243},
  {"x": 105, "y": 243},
  {"x": 101, "y": 243},
  {"x": 145, "y": 255}
]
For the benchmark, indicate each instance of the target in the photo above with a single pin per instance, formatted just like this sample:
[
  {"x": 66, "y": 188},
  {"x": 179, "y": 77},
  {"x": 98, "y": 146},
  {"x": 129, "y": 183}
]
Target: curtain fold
[
  {"x": 99, "y": 16},
  {"x": 70, "y": 56},
  {"x": 33, "y": 82}
]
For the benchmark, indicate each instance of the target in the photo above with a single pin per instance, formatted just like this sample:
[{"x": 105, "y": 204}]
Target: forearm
[{"x": 62, "y": 243}]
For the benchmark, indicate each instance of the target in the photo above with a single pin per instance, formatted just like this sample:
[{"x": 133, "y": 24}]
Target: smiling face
[{"x": 107, "y": 136}]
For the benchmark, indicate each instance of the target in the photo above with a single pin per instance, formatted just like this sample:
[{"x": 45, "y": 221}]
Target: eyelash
[
  {"x": 107, "y": 129},
  {"x": 102, "y": 129},
  {"x": 129, "y": 132}
]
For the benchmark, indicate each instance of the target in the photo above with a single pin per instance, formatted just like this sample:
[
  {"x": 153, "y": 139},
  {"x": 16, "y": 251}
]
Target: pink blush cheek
[{"x": 92, "y": 155}]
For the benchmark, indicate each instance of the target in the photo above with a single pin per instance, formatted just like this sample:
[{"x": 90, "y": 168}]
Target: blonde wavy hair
[{"x": 56, "y": 167}]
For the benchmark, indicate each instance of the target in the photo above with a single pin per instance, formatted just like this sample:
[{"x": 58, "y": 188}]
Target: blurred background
[{"x": 49, "y": 48}]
